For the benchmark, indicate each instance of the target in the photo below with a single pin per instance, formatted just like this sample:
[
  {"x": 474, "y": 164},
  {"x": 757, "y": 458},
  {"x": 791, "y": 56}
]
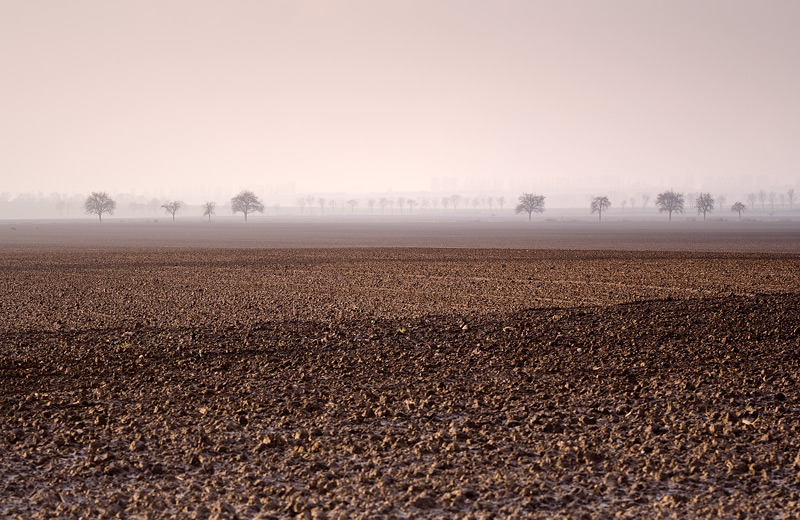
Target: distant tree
[
  {"x": 411, "y": 203},
  {"x": 782, "y": 200},
  {"x": 633, "y": 202},
  {"x": 772, "y": 197},
  {"x": 208, "y": 209},
  {"x": 302, "y": 203},
  {"x": 61, "y": 205},
  {"x": 645, "y": 200},
  {"x": 530, "y": 203},
  {"x": 172, "y": 207},
  {"x": 790, "y": 197},
  {"x": 352, "y": 203},
  {"x": 490, "y": 202},
  {"x": 321, "y": 201},
  {"x": 455, "y": 199},
  {"x": 435, "y": 204},
  {"x": 751, "y": 200},
  {"x": 762, "y": 198},
  {"x": 704, "y": 204},
  {"x": 475, "y": 202},
  {"x": 310, "y": 203},
  {"x": 391, "y": 205},
  {"x": 501, "y": 201},
  {"x": 599, "y": 205},
  {"x": 624, "y": 204},
  {"x": 445, "y": 202},
  {"x": 738, "y": 207},
  {"x": 246, "y": 202},
  {"x": 371, "y": 205},
  {"x": 401, "y": 201},
  {"x": 425, "y": 203},
  {"x": 670, "y": 201},
  {"x": 721, "y": 200},
  {"x": 382, "y": 203},
  {"x": 98, "y": 203}
]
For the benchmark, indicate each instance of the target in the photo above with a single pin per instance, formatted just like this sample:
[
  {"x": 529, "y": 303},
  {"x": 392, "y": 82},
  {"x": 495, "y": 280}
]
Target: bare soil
[{"x": 398, "y": 383}]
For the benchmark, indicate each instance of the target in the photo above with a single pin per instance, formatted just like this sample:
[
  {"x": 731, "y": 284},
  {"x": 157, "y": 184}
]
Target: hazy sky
[{"x": 373, "y": 95}]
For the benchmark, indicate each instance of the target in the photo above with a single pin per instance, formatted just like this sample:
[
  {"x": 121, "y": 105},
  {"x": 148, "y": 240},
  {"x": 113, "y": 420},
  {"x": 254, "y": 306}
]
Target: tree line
[{"x": 247, "y": 202}]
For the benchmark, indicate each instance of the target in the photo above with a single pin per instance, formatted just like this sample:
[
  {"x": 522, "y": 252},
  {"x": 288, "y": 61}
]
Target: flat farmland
[{"x": 402, "y": 382}]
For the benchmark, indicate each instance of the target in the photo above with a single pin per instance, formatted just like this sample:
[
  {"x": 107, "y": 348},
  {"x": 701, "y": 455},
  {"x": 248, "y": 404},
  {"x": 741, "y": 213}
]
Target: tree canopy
[
  {"x": 246, "y": 202},
  {"x": 738, "y": 207},
  {"x": 98, "y": 203},
  {"x": 670, "y": 201},
  {"x": 599, "y": 205},
  {"x": 705, "y": 204},
  {"x": 172, "y": 207},
  {"x": 530, "y": 203}
]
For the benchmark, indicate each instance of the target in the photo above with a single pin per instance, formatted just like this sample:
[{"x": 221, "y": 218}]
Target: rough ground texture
[{"x": 399, "y": 383}]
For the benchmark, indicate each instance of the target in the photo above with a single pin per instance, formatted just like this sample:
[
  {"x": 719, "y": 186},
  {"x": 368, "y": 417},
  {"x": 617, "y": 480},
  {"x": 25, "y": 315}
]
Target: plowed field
[{"x": 398, "y": 383}]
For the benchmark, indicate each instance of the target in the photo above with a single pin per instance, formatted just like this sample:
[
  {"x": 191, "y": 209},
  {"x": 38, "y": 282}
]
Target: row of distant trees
[
  {"x": 672, "y": 202},
  {"x": 247, "y": 202},
  {"x": 382, "y": 203}
]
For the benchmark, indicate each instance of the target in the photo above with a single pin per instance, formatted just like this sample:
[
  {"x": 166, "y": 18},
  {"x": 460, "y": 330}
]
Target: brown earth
[{"x": 398, "y": 383}]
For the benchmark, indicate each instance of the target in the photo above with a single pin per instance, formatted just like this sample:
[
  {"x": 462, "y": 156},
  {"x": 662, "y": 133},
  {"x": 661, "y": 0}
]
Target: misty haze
[{"x": 383, "y": 259}]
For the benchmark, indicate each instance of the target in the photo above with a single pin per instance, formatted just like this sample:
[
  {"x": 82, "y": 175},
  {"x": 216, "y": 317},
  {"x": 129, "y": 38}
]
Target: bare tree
[
  {"x": 391, "y": 205},
  {"x": 98, "y": 203},
  {"x": 738, "y": 207},
  {"x": 411, "y": 203},
  {"x": 302, "y": 203},
  {"x": 633, "y": 202},
  {"x": 645, "y": 200},
  {"x": 501, "y": 201},
  {"x": 772, "y": 197},
  {"x": 445, "y": 202},
  {"x": 762, "y": 198},
  {"x": 751, "y": 199},
  {"x": 246, "y": 202},
  {"x": 624, "y": 204},
  {"x": 425, "y": 204},
  {"x": 401, "y": 201},
  {"x": 382, "y": 203},
  {"x": 790, "y": 197},
  {"x": 475, "y": 202},
  {"x": 321, "y": 201},
  {"x": 670, "y": 201},
  {"x": 721, "y": 200},
  {"x": 208, "y": 209},
  {"x": 782, "y": 200},
  {"x": 704, "y": 204},
  {"x": 310, "y": 203},
  {"x": 599, "y": 205},
  {"x": 172, "y": 207},
  {"x": 371, "y": 205},
  {"x": 530, "y": 203},
  {"x": 455, "y": 199},
  {"x": 490, "y": 202},
  {"x": 352, "y": 203}
]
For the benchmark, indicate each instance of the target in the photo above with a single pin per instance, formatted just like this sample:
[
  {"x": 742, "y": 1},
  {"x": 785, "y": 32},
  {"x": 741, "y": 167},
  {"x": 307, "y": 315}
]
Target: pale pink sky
[{"x": 371, "y": 95}]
